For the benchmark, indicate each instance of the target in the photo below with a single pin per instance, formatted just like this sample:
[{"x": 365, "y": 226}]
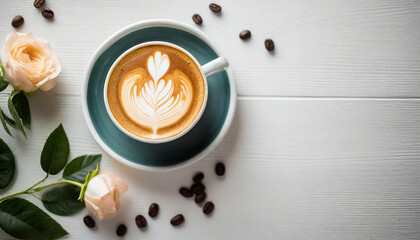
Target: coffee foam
[
  {"x": 158, "y": 102},
  {"x": 156, "y": 94}
]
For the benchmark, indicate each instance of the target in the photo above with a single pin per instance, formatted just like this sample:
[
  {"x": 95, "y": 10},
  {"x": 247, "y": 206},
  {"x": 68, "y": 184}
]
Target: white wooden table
[{"x": 326, "y": 141}]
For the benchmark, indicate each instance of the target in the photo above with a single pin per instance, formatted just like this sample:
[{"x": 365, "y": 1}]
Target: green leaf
[
  {"x": 7, "y": 165},
  {"x": 3, "y": 119},
  {"x": 22, "y": 219},
  {"x": 63, "y": 200},
  {"x": 15, "y": 114},
  {"x": 3, "y": 84},
  {"x": 9, "y": 120},
  {"x": 20, "y": 101},
  {"x": 56, "y": 151},
  {"x": 79, "y": 167}
]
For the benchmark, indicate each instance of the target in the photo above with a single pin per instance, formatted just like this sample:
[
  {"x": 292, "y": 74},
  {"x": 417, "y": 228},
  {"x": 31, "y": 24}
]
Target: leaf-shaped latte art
[
  {"x": 158, "y": 65},
  {"x": 154, "y": 99}
]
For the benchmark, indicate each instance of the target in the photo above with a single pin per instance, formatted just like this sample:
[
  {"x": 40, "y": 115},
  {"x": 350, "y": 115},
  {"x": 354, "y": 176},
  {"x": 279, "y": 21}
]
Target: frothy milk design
[{"x": 153, "y": 98}]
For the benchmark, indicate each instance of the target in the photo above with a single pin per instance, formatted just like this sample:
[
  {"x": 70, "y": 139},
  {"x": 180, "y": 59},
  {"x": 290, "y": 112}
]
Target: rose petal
[
  {"x": 103, "y": 193},
  {"x": 121, "y": 186},
  {"x": 29, "y": 62}
]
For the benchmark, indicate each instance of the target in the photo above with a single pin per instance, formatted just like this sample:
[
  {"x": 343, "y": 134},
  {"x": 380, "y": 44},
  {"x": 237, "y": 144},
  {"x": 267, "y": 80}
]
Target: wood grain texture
[
  {"x": 353, "y": 48},
  {"x": 326, "y": 141},
  {"x": 314, "y": 169}
]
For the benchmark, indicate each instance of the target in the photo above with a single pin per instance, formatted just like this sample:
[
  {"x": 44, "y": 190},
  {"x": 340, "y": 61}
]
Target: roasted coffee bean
[
  {"x": 121, "y": 230},
  {"x": 197, "y": 19},
  {"x": 47, "y": 13},
  {"x": 185, "y": 192},
  {"x": 220, "y": 169},
  {"x": 245, "y": 34},
  {"x": 17, "y": 21},
  {"x": 198, "y": 188},
  {"x": 215, "y": 8},
  {"x": 39, "y": 3},
  {"x": 200, "y": 197},
  {"x": 153, "y": 210},
  {"x": 89, "y": 222},
  {"x": 269, "y": 44},
  {"x": 141, "y": 221},
  {"x": 198, "y": 177},
  {"x": 177, "y": 220},
  {"x": 208, "y": 207}
]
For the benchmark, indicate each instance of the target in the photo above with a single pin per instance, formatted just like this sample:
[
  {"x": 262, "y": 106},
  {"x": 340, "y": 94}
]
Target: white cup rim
[{"x": 147, "y": 140}]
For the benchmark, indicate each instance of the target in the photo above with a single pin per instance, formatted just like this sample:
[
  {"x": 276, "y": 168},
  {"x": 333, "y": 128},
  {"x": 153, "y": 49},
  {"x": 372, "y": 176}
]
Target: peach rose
[
  {"x": 29, "y": 62},
  {"x": 102, "y": 196}
]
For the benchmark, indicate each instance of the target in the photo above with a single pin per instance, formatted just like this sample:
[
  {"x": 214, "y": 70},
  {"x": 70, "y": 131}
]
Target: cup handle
[{"x": 215, "y": 66}]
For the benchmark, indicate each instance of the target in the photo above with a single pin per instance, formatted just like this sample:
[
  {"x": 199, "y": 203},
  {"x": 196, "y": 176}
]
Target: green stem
[
  {"x": 26, "y": 191},
  {"x": 14, "y": 194},
  {"x": 31, "y": 189},
  {"x": 36, "y": 184},
  {"x": 35, "y": 196},
  {"x": 58, "y": 182}
]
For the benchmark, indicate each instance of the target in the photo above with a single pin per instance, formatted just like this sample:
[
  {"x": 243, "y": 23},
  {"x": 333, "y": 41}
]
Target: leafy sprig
[
  {"x": 62, "y": 200},
  {"x": 18, "y": 106},
  {"x": 14, "y": 113}
]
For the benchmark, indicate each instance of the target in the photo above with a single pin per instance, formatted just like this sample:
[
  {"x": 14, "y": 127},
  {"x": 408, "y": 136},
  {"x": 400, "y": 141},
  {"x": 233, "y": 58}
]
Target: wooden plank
[
  {"x": 296, "y": 169},
  {"x": 352, "y": 48}
]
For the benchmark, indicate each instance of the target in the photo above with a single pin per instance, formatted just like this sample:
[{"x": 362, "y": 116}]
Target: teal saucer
[{"x": 206, "y": 134}]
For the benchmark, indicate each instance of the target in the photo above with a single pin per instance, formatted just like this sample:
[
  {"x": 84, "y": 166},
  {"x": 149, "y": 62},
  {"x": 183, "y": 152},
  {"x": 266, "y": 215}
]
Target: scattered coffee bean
[
  {"x": 89, "y": 222},
  {"x": 198, "y": 177},
  {"x": 153, "y": 210},
  {"x": 17, "y": 21},
  {"x": 185, "y": 192},
  {"x": 39, "y": 3},
  {"x": 208, "y": 207},
  {"x": 245, "y": 34},
  {"x": 200, "y": 197},
  {"x": 47, "y": 13},
  {"x": 215, "y": 8},
  {"x": 141, "y": 221},
  {"x": 198, "y": 188},
  {"x": 220, "y": 169},
  {"x": 197, "y": 19},
  {"x": 177, "y": 220},
  {"x": 121, "y": 230},
  {"x": 269, "y": 44}
]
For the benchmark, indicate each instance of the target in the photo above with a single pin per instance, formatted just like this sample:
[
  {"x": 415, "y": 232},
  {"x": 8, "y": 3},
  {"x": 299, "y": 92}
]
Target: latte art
[
  {"x": 156, "y": 92},
  {"x": 157, "y": 102}
]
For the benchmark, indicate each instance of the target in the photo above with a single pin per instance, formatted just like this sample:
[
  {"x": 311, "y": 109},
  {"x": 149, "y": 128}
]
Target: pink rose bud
[
  {"x": 29, "y": 62},
  {"x": 102, "y": 196}
]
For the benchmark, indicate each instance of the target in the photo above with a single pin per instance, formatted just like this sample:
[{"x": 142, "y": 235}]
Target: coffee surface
[{"x": 156, "y": 92}]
